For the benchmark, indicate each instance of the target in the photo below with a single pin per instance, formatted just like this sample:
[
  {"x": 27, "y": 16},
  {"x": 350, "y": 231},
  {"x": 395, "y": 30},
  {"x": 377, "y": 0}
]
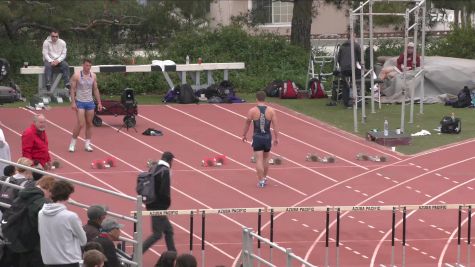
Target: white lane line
[
  {"x": 381, "y": 231},
  {"x": 471, "y": 188},
  {"x": 348, "y": 248},
  {"x": 446, "y": 178},
  {"x": 370, "y": 226},
  {"x": 379, "y": 174},
  {"x": 422, "y": 221},
  {"x": 417, "y": 191},
  {"x": 351, "y": 217},
  {"x": 442, "y": 202},
  {"x": 305, "y": 225},
  {"x": 361, "y": 222},
  {"x": 315, "y": 230},
  {"x": 387, "y": 178},
  {"x": 455, "y": 182},
  {"x": 364, "y": 194},
  {"x": 295, "y": 220},
  {"x": 425, "y": 169},
  {"x": 380, "y": 201},
  {"x": 438, "y": 174},
  {"x": 395, "y": 181},
  {"x": 427, "y": 195}
]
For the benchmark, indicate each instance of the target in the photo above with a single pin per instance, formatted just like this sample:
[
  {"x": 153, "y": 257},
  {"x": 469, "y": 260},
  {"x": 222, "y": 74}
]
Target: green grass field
[{"x": 343, "y": 119}]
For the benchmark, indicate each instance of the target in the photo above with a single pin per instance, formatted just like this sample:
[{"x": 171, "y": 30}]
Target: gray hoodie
[
  {"x": 61, "y": 234},
  {"x": 54, "y": 50}
]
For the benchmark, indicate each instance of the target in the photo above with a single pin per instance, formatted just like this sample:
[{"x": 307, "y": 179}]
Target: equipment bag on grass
[
  {"x": 450, "y": 125},
  {"x": 289, "y": 90},
  {"x": 316, "y": 88},
  {"x": 187, "y": 95},
  {"x": 273, "y": 89}
]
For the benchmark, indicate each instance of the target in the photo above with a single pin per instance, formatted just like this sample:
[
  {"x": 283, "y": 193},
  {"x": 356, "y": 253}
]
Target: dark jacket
[
  {"x": 92, "y": 230},
  {"x": 344, "y": 55},
  {"x": 162, "y": 188},
  {"x": 34, "y": 198},
  {"x": 109, "y": 250}
]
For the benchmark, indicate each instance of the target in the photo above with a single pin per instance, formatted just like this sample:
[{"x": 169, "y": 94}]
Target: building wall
[{"x": 329, "y": 19}]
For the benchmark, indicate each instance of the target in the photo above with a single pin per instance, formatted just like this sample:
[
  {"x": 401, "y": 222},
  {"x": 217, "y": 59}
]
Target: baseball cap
[
  {"x": 410, "y": 44},
  {"x": 96, "y": 211},
  {"x": 110, "y": 224}
]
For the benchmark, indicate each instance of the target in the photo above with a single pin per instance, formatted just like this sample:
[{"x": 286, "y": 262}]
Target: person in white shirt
[
  {"x": 54, "y": 55},
  {"x": 61, "y": 233}
]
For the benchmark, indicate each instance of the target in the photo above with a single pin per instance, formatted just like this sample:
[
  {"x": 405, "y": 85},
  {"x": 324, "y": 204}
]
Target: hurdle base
[{"x": 391, "y": 140}]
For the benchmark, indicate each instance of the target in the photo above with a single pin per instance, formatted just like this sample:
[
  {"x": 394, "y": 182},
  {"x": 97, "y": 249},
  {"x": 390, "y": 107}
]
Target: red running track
[{"x": 194, "y": 132}]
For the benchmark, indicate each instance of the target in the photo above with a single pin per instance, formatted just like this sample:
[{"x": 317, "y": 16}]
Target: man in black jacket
[
  {"x": 344, "y": 61},
  {"x": 96, "y": 215},
  {"x": 161, "y": 224}
]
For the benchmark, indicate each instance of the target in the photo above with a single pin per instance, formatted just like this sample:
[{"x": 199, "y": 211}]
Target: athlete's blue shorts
[
  {"x": 262, "y": 142},
  {"x": 85, "y": 105}
]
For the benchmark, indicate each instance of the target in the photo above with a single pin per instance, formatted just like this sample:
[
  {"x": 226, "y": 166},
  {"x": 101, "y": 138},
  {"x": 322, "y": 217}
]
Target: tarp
[{"x": 443, "y": 78}]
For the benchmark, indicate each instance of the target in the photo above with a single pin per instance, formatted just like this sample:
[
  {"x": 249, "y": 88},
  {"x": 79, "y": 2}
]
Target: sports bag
[
  {"x": 316, "y": 88},
  {"x": 289, "y": 90}
]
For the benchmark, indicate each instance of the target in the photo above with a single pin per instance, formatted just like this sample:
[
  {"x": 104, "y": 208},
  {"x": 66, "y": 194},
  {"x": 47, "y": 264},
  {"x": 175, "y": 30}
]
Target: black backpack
[
  {"x": 146, "y": 183},
  {"x": 464, "y": 99},
  {"x": 450, "y": 125},
  {"x": 187, "y": 95},
  {"x": 17, "y": 230},
  {"x": 273, "y": 89},
  {"x": 226, "y": 91},
  {"x": 8, "y": 193}
]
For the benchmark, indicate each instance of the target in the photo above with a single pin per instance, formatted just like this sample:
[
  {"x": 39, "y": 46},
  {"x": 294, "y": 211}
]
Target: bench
[{"x": 195, "y": 71}]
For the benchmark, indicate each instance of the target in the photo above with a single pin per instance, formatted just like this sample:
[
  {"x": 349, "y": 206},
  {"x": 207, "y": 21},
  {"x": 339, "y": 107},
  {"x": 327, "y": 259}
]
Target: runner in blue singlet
[{"x": 262, "y": 117}]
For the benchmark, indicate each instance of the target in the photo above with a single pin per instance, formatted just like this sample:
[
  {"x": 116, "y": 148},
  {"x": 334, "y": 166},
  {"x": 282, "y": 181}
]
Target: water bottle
[
  {"x": 187, "y": 59},
  {"x": 386, "y": 128}
]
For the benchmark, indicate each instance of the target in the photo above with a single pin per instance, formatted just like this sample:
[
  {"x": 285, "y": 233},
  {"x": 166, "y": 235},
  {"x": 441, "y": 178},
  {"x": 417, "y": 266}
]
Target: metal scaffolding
[{"x": 416, "y": 26}]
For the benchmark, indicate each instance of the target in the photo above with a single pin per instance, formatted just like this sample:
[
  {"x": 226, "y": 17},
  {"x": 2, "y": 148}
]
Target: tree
[{"x": 302, "y": 17}]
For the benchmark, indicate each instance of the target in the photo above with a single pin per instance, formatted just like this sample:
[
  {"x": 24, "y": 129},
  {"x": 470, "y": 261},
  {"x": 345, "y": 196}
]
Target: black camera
[{"x": 128, "y": 98}]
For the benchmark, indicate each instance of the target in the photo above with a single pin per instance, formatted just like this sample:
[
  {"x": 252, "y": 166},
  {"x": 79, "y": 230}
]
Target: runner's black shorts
[{"x": 262, "y": 142}]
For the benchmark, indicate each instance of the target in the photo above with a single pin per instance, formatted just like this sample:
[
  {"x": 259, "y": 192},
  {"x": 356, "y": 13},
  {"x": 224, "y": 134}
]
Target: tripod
[{"x": 129, "y": 118}]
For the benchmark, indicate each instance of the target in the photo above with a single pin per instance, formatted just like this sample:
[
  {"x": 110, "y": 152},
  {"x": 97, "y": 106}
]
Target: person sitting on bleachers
[
  {"x": 93, "y": 258},
  {"x": 96, "y": 215},
  {"x": 110, "y": 232}
]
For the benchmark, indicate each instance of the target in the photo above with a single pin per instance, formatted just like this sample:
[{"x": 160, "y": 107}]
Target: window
[{"x": 272, "y": 12}]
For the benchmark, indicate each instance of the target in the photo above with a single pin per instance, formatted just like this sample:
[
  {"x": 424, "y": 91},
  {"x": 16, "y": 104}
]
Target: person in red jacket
[
  {"x": 34, "y": 142},
  {"x": 410, "y": 57}
]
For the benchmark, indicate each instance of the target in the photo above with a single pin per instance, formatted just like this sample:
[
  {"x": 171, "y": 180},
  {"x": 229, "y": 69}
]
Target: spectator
[
  {"x": 93, "y": 258},
  {"x": 167, "y": 259},
  {"x": 54, "y": 55},
  {"x": 186, "y": 260},
  {"x": 61, "y": 234},
  {"x": 9, "y": 170},
  {"x": 345, "y": 64},
  {"x": 4, "y": 151},
  {"x": 24, "y": 249},
  {"x": 161, "y": 224},
  {"x": 96, "y": 215},
  {"x": 34, "y": 142},
  {"x": 110, "y": 232},
  {"x": 22, "y": 177},
  {"x": 391, "y": 72}
]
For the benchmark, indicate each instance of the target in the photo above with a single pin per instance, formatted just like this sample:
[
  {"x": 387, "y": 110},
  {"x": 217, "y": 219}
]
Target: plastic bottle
[
  {"x": 453, "y": 116},
  {"x": 187, "y": 59},
  {"x": 386, "y": 128}
]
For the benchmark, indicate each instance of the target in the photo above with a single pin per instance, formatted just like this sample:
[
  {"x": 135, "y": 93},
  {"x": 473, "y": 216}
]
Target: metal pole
[
  {"x": 362, "y": 70},
  {"x": 327, "y": 230},
  {"x": 414, "y": 62},
  {"x": 423, "y": 49},
  {"x": 393, "y": 233},
  {"x": 203, "y": 222},
  {"x": 469, "y": 231},
  {"x": 288, "y": 257},
  {"x": 138, "y": 232},
  {"x": 337, "y": 243},
  {"x": 404, "y": 73},
  {"x": 271, "y": 233},
  {"x": 191, "y": 232},
  {"x": 404, "y": 237},
  {"x": 371, "y": 56},
  {"x": 353, "y": 75},
  {"x": 259, "y": 222},
  {"x": 459, "y": 234}
]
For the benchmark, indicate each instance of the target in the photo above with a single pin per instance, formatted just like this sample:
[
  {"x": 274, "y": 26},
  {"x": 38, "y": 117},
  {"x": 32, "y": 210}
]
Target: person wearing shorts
[
  {"x": 83, "y": 89},
  {"x": 262, "y": 117}
]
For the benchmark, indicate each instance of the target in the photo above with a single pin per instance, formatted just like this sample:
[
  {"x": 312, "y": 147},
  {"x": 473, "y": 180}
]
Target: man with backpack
[
  {"x": 262, "y": 117},
  {"x": 22, "y": 177},
  {"x": 161, "y": 224},
  {"x": 20, "y": 225},
  {"x": 345, "y": 64}
]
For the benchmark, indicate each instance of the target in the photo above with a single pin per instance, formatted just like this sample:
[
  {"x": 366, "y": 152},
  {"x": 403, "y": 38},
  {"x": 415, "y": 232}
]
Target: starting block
[
  {"x": 315, "y": 158},
  {"x": 275, "y": 161},
  {"x": 151, "y": 163},
  {"x": 55, "y": 164},
  {"x": 217, "y": 161},
  {"x": 103, "y": 163},
  {"x": 361, "y": 156}
]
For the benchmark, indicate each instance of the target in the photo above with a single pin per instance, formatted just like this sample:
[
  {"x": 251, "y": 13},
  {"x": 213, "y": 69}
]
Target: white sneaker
[
  {"x": 88, "y": 148},
  {"x": 71, "y": 147}
]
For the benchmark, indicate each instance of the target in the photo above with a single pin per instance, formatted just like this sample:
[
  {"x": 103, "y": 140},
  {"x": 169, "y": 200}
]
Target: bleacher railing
[{"x": 137, "y": 235}]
